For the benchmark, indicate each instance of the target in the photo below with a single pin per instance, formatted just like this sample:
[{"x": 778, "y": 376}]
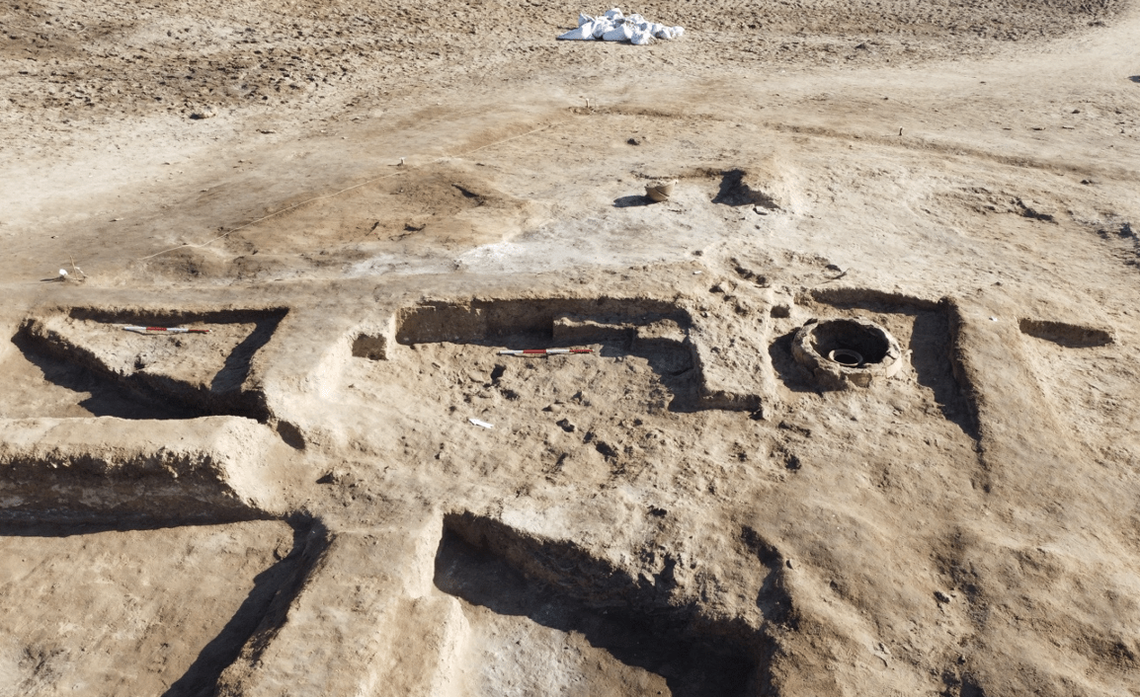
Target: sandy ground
[{"x": 365, "y": 202}]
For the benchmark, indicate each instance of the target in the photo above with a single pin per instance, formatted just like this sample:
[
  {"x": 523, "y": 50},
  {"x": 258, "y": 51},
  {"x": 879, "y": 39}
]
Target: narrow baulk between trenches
[{"x": 558, "y": 585}]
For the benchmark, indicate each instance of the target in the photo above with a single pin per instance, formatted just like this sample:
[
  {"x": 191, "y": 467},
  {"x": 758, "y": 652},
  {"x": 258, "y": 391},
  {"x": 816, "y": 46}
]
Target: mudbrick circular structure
[{"x": 842, "y": 352}]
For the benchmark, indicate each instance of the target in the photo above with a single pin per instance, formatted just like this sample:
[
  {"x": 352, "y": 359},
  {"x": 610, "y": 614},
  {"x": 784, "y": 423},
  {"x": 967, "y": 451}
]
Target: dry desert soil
[{"x": 344, "y": 488}]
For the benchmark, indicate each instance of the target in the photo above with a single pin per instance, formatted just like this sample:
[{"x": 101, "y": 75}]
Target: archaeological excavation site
[{"x": 370, "y": 349}]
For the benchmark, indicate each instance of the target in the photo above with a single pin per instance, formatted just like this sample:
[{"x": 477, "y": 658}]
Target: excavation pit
[
  {"x": 1067, "y": 335},
  {"x": 123, "y": 594},
  {"x": 843, "y": 352},
  {"x": 83, "y": 355},
  {"x": 495, "y": 320},
  {"x": 625, "y": 637}
]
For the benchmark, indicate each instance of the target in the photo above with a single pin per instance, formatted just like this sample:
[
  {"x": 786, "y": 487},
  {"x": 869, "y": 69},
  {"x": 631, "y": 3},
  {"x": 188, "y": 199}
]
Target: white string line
[{"x": 335, "y": 193}]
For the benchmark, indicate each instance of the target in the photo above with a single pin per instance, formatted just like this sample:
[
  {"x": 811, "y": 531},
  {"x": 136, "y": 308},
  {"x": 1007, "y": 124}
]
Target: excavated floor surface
[{"x": 350, "y": 486}]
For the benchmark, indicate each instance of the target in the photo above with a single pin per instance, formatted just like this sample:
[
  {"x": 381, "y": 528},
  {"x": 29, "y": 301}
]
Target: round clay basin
[{"x": 843, "y": 352}]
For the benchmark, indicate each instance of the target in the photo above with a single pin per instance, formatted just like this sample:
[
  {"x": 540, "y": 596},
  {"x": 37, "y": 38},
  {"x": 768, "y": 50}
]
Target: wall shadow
[
  {"x": 931, "y": 346},
  {"x": 794, "y": 376},
  {"x": 236, "y": 368},
  {"x": 632, "y": 201}
]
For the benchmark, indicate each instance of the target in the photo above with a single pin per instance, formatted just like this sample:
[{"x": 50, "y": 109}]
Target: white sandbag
[
  {"x": 582, "y": 33},
  {"x": 615, "y": 26},
  {"x": 618, "y": 33}
]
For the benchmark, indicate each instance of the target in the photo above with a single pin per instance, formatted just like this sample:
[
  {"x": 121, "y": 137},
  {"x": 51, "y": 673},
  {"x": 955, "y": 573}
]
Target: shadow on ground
[{"x": 632, "y": 201}]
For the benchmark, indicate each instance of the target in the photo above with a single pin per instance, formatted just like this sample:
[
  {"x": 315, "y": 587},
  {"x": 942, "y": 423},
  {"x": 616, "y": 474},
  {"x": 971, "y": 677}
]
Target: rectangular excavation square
[
  {"x": 96, "y": 611},
  {"x": 592, "y": 629},
  {"x": 82, "y": 361}
]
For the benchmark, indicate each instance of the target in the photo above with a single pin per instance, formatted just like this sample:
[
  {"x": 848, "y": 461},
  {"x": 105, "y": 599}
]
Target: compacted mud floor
[{"x": 854, "y": 412}]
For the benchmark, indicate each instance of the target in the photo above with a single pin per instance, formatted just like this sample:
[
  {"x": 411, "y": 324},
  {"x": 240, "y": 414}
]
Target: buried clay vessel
[
  {"x": 846, "y": 357},
  {"x": 660, "y": 191}
]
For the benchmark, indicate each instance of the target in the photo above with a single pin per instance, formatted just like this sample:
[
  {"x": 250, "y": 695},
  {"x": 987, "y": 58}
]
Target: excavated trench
[
  {"x": 485, "y": 320},
  {"x": 654, "y": 330},
  {"x": 199, "y": 651},
  {"x": 1064, "y": 334},
  {"x": 559, "y": 586},
  {"x": 80, "y": 361}
]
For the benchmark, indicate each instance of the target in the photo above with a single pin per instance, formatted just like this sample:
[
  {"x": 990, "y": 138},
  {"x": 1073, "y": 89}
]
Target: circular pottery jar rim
[
  {"x": 846, "y": 357},
  {"x": 660, "y": 191}
]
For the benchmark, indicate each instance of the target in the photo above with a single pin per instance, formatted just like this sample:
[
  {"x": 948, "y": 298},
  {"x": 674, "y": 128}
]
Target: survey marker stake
[
  {"x": 542, "y": 352},
  {"x": 168, "y": 330}
]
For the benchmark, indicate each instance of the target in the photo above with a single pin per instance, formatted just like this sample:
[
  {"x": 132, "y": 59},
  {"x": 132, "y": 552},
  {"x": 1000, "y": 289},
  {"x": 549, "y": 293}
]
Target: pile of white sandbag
[{"x": 614, "y": 26}]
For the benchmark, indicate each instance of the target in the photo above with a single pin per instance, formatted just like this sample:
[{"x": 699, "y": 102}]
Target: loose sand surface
[{"x": 344, "y": 488}]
